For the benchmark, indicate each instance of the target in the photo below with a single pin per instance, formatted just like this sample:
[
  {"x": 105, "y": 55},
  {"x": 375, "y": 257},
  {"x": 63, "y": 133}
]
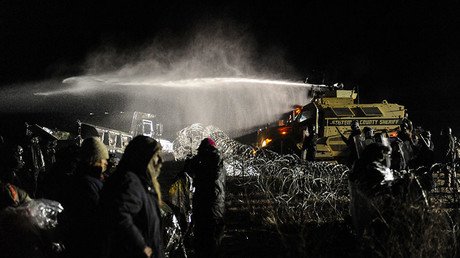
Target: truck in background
[{"x": 330, "y": 112}]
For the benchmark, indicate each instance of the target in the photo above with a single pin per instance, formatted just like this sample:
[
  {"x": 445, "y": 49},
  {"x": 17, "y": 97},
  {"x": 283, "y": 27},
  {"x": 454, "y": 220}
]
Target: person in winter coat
[
  {"x": 208, "y": 200},
  {"x": 130, "y": 203},
  {"x": 370, "y": 178},
  {"x": 82, "y": 198},
  {"x": 350, "y": 142},
  {"x": 371, "y": 172}
]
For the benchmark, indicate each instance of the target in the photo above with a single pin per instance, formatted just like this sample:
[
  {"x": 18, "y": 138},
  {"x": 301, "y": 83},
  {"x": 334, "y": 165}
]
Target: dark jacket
[
  {"x": 351, "y": 146},
  {"x": 370, "y": 178},
  {"x": 130, "y": 213},
  {"x": 209, "y": 182},
  {"x": 309, "y": 145},
  {"x": 445, "y": 149},
  {"x": 208, "y": 203},
  {"x": 131, "y": 217},
  {"x": 80, "y": 215},
  {"x": 369, "y": 174},
  {"x": 425, "y": 153}
]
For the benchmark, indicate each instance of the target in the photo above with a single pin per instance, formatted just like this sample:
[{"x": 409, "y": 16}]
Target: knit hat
[
  {"x": 92, "y": 149},
  {"x": 207, "y": 143}
]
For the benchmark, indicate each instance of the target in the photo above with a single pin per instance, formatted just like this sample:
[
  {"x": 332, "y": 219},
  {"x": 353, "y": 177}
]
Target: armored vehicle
[{"x": 330, "y": 113}]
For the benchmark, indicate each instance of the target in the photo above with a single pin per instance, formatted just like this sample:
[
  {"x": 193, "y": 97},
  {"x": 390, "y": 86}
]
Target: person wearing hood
[
  {"x": 82, "y": 198},
  {"x": 208, "y": 200},
  {"x": 130, "y": 203}
]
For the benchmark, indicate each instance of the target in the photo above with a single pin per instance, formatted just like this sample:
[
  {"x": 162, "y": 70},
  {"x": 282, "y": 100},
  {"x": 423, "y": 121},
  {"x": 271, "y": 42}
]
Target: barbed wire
[
  {"x": 288, "y": 194},
  {"x": 300, "y": 192}
]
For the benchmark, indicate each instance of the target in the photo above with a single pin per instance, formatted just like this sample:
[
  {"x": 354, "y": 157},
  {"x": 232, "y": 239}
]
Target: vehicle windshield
[{"x": 307, "y": 113}]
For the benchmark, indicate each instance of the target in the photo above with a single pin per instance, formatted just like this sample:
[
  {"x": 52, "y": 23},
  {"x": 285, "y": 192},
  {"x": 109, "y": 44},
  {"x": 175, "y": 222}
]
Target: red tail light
[{"x": 283, "y": 130}]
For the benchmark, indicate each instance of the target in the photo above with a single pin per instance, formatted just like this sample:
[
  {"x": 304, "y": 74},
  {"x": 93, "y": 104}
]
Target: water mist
[{"x": 214, "y": 78}]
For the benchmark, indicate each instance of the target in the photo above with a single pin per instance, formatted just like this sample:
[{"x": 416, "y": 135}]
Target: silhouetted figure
[
  {"x": 363, "y": 140},
  {"x": 407, "y": 123},
  {"x": 309, "y": 144},
  {"x": 368, "y": 135},
  {"x": 62, "y": 173},
  {"x": 130, "y": 203},
  {"x": 445, "y": 153},
  {"x": 82, "y": 199},
  {"x": 446, "y": 146},
  {"x": 425, "y": 150},
  {"x": 49, "y": 153},
  {"x": 209, "y": 199},
  {"x": 12, "y": 164},
  {"x": 371, "y": 177},
  {"x": 11, "y": 193},
  {"x": 350, "y": 141},
  {"x": 406, "y": 146},
  {"x": 398, "y": 161},
  {"x": 372, "y": 171},
  {"x": 35, "y": 164}
]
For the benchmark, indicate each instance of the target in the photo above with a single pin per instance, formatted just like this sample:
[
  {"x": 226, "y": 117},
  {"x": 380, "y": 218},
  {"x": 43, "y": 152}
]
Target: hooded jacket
[
  {"x": 209, "y": 182},
  {"x": 129, "y": 205}
]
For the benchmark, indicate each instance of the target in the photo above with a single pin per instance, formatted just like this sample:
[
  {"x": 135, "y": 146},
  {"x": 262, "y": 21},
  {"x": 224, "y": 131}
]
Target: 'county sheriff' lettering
[{"x": 363, "y": 122}]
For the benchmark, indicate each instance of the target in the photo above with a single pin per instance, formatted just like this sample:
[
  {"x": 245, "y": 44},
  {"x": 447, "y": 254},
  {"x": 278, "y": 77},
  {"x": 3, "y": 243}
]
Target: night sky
[{"x": 403, "y": 51}]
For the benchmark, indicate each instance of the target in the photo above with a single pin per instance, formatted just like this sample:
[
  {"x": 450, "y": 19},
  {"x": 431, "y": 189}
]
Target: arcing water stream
[
  {"x": 230, "y": 103},
  {"x": 217, "y": 76},
  {"x": 197, "y": 82},
  {"x": 84, "y": 83}
]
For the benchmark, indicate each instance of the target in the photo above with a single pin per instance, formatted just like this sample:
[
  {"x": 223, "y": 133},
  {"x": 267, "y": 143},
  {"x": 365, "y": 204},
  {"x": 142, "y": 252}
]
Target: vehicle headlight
[{"x": 266, "y": 141}]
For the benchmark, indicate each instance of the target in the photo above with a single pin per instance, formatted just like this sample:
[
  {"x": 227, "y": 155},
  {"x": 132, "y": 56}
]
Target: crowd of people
[
  {"x": 410, "y": 147},
  {"x": 116, "y": 210},
  {"x": 398, "y": 167},
  {"x": 109, "y": 210}
]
